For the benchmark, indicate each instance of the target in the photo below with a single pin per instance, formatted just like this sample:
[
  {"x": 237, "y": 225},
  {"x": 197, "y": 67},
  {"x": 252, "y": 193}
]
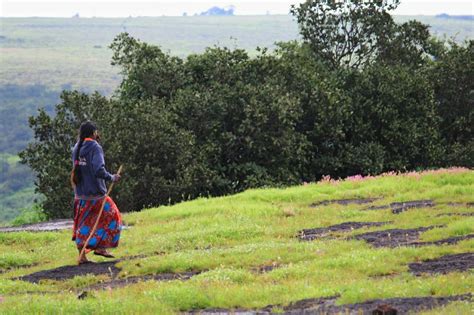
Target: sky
[{"x": 125, "y": 8}]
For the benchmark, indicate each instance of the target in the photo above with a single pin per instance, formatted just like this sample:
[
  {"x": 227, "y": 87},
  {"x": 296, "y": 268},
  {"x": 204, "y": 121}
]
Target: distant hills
[
  {"x": 216, "y": 11},
  {"x": 455, "y": 17}
]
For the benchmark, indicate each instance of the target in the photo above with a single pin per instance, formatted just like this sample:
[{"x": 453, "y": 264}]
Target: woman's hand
[{"x": 116, "y": 177}]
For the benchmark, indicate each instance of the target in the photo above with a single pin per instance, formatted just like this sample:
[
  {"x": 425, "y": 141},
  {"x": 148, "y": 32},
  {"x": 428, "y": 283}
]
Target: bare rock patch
[
  {"x": 344, "y": 202},
  {"x": 311, "y": 234},
  {"x": 462, "y": 214},
  {"x": 406, "y": 237},
  {"x": 392, "y": 237},
  {"x": 116, "y": 283},
  {"x": 444, "y": 264},
  {"x": 319, "y": 306},
  {"x": 399, "y": 207},
  {"x": 69, "y": 272}
]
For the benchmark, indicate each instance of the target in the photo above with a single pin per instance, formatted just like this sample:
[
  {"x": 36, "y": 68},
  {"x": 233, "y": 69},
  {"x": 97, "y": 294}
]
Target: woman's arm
[{"x": 98, "y": 164}]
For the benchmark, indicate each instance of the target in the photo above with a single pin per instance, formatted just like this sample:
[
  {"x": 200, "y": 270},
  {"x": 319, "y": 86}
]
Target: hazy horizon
[
  {"x": 188, "y": 16},
  {"x": 158, "y": 8}
]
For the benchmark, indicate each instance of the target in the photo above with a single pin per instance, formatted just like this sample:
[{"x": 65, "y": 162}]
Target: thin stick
[{"x": 81, "y": 255}]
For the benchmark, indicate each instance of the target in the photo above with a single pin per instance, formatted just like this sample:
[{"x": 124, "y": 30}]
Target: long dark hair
[{"x": 86, "y": 131}]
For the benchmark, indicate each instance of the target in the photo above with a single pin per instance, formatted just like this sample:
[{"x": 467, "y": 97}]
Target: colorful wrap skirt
[{"x": 107, "y": 233}]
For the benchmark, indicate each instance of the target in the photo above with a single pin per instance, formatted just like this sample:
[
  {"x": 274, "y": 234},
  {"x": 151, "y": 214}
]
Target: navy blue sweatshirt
[{"x": 93, "y": 172}]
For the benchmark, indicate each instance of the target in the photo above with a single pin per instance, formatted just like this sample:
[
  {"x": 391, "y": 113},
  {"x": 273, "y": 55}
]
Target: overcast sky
[{"x": 112, "y": 8}]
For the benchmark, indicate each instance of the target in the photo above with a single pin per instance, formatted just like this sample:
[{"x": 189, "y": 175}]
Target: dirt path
[
  {"x": 56, "y": 225},
  {"x": 49, "y": 226},
  {"x": 328, "y": 305}
]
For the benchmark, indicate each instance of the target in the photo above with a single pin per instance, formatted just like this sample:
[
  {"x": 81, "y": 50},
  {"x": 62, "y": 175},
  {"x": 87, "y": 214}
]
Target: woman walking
[{"x": 88, "y": 179}]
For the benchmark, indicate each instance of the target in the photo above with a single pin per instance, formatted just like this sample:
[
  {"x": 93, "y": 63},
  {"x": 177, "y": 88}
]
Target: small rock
[
  {"x": 384, "y": 309},
  {"x": 82, "y": 295},
  {"x": 289, "y": 212}
]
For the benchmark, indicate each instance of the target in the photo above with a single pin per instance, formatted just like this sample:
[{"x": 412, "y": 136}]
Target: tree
[
  {"x": 394, "y": 119},
  {"x": 148, "y": 72},
  {"x": 451, "y": 74},
  {"x": 49, "y": 156},
  {"x": 355, "y": 33},
  {"x": 161, "y": 163},
  {"x": 233, "y": 107},
  {"x": 324, "y": 104},
  {"x": 242, "y": 118}
]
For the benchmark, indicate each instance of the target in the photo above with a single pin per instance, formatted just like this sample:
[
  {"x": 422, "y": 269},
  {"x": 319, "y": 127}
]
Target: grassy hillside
[
  {"x": 58, "y": 52},
  {"x": 248, "y": 251}
]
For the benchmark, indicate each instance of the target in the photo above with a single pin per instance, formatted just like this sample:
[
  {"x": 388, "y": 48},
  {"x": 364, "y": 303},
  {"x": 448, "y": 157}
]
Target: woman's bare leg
[{"x": 82, "y": 258}]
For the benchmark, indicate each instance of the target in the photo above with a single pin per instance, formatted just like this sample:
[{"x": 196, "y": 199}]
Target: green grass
[{"x": 229, "y": 238}]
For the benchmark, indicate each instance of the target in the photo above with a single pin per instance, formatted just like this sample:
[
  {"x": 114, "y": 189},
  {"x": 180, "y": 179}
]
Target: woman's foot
[
  {"x": 104, "y": 253},
  {"x": 83, "y": 259},
  {"x": 82, "y": 256}
]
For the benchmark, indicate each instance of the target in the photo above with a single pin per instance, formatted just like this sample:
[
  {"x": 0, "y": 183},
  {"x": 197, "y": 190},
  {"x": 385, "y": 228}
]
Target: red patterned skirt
[{"x": 107, "y": 233}]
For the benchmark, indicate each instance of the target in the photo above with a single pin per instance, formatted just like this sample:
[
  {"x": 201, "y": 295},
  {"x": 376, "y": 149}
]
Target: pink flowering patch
[
  {"x": 412, "y": 174},
  {"x": 355, "y": 178},
  {"x": 416, "y": 175},
  {"x": 329, "y": 180},
  {"x": 451, "y": 170}
]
